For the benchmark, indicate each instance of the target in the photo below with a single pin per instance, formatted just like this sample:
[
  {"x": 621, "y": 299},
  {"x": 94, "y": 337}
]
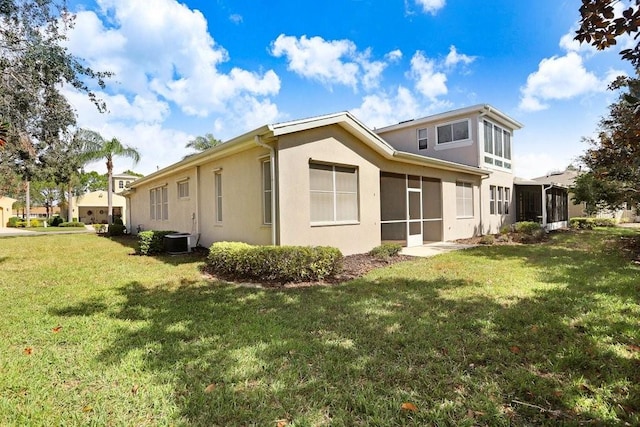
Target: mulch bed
[{"x": 353, "y": 267}]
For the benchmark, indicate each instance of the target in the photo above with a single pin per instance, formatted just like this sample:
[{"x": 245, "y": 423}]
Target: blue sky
[{"x": 225, "y": 67}]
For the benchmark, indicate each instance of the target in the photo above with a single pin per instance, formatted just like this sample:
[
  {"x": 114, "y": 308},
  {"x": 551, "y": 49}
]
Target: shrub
[
  {"x": 386, "y": 250},
  {"x": 74, "y": 224},
  {"x": 118, "y": 220},
  {"x": 116, "y": 229},
  {"x": 151, "y": 242},
  {"x": 487, "y": 239},
  {"x": 527, "y": 227},
  {"x": 274, "y": 263},
  {"x": 604, "y": 222},
  {"x": 55, "y": 221},
  {"x": 35, "y": 223},
  {"x": 100, "y": 228},
  {"x": 581, "y": 223},
  {"x": 15, "y": 222}
]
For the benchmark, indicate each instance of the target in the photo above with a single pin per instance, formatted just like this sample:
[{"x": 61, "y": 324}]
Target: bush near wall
[
  {"x": 152, "y": 241},
  {"x": 282, "y": 264},
  {"x": 583, "y": 223},
  {"x": 386, "y": 250},
  {"x": 55, "y": 221},
  {"x": 74, "y": 224},
  {"x": 116, "y": 229},
  {"x": 16, "y": 222}
]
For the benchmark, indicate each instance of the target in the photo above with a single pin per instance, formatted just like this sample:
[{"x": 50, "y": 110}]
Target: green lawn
[{"x": 501, "y": 335}]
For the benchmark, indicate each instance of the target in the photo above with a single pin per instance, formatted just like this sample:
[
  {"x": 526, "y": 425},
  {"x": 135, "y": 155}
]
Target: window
[
  {"x": 422, "y": 139},
  {"x": 183, "y": 189},
  {"x": 500, "y": 199},
  {"x": 451, "y": 132},
  {"x": 120, "y": 184},
  {"x": 507, "y": 200},
  {"x": 492, "y": 199},
  {"x": 464, "y": 199},
  {"x": 497, "y": 145},
  {"x": 218, "y": 198},
  {"x": 334, "y": 193},
  {"x": 266, "y": 192},
  {"x": 159, "y": 203}
]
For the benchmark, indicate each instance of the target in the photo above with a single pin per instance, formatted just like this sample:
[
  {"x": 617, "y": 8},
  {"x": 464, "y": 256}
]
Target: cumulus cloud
[
  {"x": 454, "y": 58},
  {"x": 431, "y": 6},
  {"x": 429, "y": 81},
  {"x": 558, "y": 78},
  {"x": 332, "y": 62}
]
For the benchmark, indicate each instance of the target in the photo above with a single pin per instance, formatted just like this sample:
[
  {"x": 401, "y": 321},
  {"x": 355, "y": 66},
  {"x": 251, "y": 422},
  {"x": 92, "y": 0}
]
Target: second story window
[
  {"x": 452, "y": 132},
  {"x": 422, "y": 139},
  {"x": 497, "y": 145}
]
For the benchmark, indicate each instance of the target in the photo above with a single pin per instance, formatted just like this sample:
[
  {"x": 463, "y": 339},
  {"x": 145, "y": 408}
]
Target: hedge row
[
  {"x": 582, "y": 223},
  {"x": 281, "y": 264},
  {"x": 151, "y": 242},
  {"x": 74, "y": 224}
]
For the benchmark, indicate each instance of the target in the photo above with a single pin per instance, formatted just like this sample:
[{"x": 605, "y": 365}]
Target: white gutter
[
  {"x": 272, "y": 165},
  {"x": 197, "y": 191}
]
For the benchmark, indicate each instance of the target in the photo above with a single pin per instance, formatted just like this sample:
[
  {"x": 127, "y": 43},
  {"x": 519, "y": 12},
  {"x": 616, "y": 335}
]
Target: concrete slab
[
  {"x": 7, "y": 231},
  {"x": 435, "y": 248}
]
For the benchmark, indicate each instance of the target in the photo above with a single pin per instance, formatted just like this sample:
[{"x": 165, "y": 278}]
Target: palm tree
[
  {"x": 201, "y": 143},
  {"x": 98, "y": 148}
]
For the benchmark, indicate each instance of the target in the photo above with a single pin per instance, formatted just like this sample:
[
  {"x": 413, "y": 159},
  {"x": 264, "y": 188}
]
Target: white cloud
[
  {"x": 236, "y": 19},
  {"x": 431, "y": 6},
  {"x": 332, "y": 62},
  {"x": 429, "y": 82},
  {"x": 454, "y": 58},
  {"x": 164, "y": 49},
  {"x": 558, "y": 78}
]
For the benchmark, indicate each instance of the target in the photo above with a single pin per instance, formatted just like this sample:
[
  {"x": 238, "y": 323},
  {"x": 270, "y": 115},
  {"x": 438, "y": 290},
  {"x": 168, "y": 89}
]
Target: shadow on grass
[
  {"x": 352, "y": 354},
  {"x": 131, "y": 241}
]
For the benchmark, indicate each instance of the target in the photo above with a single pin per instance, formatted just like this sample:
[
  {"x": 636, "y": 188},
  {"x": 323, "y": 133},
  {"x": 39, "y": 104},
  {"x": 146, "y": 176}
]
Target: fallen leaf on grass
[
  {"x": 534, "y": 328},
  {"x": 27, "y": 351},
  {"x": 472, "y": 414},
  {"x": 515, "y": 349},
  {"x": 633, "y": 347},
  {"x": 134, "y": 389},
  {"x": 210, "y": 388},
  {"x": 281, "y": 423},
  {"x": 56, "y": 329},
  {"x": 406, "y": 406},
  {"x": 87, "y": 408}
]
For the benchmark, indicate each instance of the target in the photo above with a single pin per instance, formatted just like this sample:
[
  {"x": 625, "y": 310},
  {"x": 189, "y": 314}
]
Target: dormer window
[{"x": 452, "y": 132}]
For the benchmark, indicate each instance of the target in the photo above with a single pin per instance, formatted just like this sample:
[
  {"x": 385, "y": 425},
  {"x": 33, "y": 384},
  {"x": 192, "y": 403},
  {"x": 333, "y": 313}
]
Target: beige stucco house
[
  {"x": 6, "y": 204},
  {"x": 330, "y": 180},
  {"x": 91, "y": 208}
]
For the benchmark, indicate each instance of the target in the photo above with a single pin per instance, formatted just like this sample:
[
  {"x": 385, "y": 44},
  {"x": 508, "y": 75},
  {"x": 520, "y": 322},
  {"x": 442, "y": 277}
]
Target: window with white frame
[
  {"x": 159, "y": 203},
  {"x": 500, "y": 199},
  {"x": 452, "y": 132},
  {"x": 183, "y": 189},
  {"x": 334, "y": 193},
  {"x": 218, "y": 195},
  {"x": 497, "y": 145},
  {"x": 120, "y": 184},
  {"x": 464, "y": 199},
  {"x": 422, "y": 139},
  {"x": 266, "y": 192},
  {"x": 507, "y": 200},
  {"x": 492, "y": 199}
]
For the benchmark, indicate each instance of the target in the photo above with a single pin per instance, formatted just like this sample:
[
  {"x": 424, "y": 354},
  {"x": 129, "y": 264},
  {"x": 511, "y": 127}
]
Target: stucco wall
[
  {"x": 96, "y": 201},
  {"x": 241, "y": 201},
  {"x": 330, "y": 145},
  {"x": 465, "y": 152},
  {"x": 491, "y": 224}
]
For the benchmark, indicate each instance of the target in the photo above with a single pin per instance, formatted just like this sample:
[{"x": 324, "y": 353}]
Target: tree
[
  {"x": 614, "y": 156},
  {"x": 201, "y": 143},
  {"x": 600, "y": 27},
  {"x": 595, "y": 193},
  {"x": 93, "y": 181},
  {"x": 98, "y": 148}
]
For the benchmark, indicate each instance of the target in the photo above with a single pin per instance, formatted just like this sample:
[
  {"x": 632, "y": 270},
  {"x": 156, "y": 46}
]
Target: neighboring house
[
  {"x": 121, "y": 181},
  {"x": 6, "y": 204},
  {"x": 332, "y": 181},
  {"x": 91, "y": 208}
]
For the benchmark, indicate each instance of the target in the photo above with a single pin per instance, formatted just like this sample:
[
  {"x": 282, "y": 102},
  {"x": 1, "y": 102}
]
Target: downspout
[
  {"x": 272, "y": 165},
  {"x": 197, "y": 212}
]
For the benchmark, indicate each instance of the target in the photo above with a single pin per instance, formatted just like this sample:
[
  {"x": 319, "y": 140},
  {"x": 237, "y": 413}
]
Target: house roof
[
  {"x": 268, "y": 133},
  {"x": 524, "y": 181},
  {"x": 565, "y": 178},
  {"x": 482, "y": 109}
]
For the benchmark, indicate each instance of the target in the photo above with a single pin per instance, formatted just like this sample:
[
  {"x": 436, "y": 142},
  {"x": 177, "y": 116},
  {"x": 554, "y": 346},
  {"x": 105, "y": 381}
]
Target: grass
[{"x": 500, "y": 335}]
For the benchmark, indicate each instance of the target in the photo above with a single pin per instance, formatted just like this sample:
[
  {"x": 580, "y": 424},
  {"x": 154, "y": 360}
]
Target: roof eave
[{"x": 438, "y": 164}]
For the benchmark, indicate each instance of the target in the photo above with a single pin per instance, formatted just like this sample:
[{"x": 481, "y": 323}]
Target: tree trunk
[
  {"x": 110, "y": 191},
  {"x": 27, "y": 201},
  {"x": 69, "y": 203}
]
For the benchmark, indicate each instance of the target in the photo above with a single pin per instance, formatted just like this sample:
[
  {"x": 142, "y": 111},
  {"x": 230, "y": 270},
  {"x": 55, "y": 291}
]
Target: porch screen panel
[
  {"x": 393, "y": 192},
  {"x": 431, "y": 199},
  {"x": 395, "y": 231},
  {"x": 414, "y": 205}
]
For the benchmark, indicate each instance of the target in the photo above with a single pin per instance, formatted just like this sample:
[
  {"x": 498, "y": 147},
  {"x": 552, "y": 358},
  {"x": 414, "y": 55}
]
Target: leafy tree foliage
[
  {"x": 614, "y": 156},
  {"x": 596, "y": 194},
  {"x": 600, "y": 27},
  {"x": 93, "y": 181},
  {"x": 201, "y": 143},
  {"x": 98, "y": 148}
]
